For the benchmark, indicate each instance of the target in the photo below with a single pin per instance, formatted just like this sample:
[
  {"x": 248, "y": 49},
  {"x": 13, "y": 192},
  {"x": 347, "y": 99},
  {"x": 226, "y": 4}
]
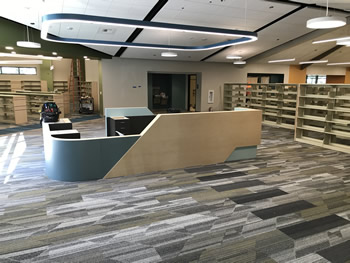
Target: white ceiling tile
[{"x": 232, "y": 14}]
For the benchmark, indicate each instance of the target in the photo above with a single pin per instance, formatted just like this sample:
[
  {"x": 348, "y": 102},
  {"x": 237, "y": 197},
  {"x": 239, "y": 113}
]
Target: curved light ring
[
  {"x": 326, "y": 22},
  {"x": 47, "y": 20}
]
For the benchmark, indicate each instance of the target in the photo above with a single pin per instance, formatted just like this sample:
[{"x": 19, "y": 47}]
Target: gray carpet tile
[{"x": 290, "y": 204}]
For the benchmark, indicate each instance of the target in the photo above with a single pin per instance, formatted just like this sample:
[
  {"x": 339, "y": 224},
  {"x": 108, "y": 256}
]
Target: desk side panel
[
  {"x": 83, "y": 160},
  {"x": 182, "y": 140}
]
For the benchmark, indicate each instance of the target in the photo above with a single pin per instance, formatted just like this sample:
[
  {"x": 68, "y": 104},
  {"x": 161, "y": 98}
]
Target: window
[
  {"x": 27, "y": 71},
  {"x": 10, "y": 70},
  {"x": 316, "y": 79},
  {"x": 18, "y": 70}
]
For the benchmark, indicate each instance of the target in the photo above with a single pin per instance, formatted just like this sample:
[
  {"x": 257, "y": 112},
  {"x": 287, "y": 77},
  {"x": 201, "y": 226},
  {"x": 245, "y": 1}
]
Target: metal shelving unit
[
  {"x": 323, "y": 117},
  {"x": 277, "y": 101}
]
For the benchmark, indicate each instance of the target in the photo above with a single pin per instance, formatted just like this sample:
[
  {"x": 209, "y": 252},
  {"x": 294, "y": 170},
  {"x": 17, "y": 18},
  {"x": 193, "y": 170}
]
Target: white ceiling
[{"x": 231, "y": 14}]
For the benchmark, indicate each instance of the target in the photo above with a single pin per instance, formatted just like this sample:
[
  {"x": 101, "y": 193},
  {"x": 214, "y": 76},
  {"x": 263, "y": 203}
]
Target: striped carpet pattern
[{"x": 290, "y": 204}]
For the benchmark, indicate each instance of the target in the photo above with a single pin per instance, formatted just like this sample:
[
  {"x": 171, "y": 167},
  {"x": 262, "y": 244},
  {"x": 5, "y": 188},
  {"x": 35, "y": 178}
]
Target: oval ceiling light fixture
[
  {"x": 240, "y": 62},
  {"x": 9, "y": 48},
  {"x": 233, "y": 57},
  {"x": 169, "y": 54},
  {"x": 28, "y": 44},
  {"x": 240, "y": 36},
  {"x": 54, "y": 53},
  {"x": 281, "y": 60},
  {"x": 326, "y": 22}
]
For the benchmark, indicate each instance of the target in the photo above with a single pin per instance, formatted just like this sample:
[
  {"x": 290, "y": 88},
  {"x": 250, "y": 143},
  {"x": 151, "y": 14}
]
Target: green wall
[{"x": 11, "y": 32}]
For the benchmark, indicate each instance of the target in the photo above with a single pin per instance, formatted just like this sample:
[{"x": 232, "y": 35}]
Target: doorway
[
  {"x": 192, "y": 92},
  {"x": 265, "y": 78},
  {"x": 173, "y": 92}
]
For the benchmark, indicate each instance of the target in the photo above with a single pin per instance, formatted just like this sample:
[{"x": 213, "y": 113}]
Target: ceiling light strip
[
  {"x": 47, "y": 20},
  {"x": 21, "y": 62},
  {"x": 330, "y": 40},
  {"x": 313, "y": 61},
  {"x": 339, "y": 63},
  {"x": 29, "y": 56},
  {"x": 281, "y": 60}
]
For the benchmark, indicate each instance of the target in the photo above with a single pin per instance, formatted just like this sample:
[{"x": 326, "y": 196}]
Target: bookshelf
[
  {"x": 13, "y": 109},
  {"x": 276, "y": 101},
  {"x": 323, "y": 116},
  {"x": 34, "y": 85}
]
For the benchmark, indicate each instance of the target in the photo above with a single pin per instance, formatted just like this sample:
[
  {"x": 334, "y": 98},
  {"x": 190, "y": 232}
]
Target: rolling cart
[{"x": 86, "y": 105}]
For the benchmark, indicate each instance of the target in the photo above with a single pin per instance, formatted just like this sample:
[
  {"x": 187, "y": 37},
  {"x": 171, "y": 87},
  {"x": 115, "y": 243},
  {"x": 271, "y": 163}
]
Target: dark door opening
[
  {"x": 265, "y": 78},
  {"x": 173, "y": 92}
]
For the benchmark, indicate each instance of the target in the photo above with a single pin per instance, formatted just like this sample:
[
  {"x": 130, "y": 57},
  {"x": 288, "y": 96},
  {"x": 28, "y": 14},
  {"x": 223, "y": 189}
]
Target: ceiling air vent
[{"x": 103, "y": 30}]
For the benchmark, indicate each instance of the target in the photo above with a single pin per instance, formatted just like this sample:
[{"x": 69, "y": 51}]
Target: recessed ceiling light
[
  {"x": 169, "y": 54},
  {"x": 233, "y": 57},
  {"x": 240, "y": 62},
  {"x": 313, "y": 61},
  {"x": 9, "y": 48},
  {"x": 85, "y": 57},
  {"x": 281, "y": 60},
  {"x": 54, "y": 53}
]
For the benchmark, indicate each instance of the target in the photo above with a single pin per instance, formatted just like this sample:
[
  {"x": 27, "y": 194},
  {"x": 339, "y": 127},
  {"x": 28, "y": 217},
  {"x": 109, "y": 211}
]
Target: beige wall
[
  {"x": 91, "y": 70},
  {"x": 325, "y": 70},
  {"x": 62, "y": 69},
  {"x": 21, "y": 77},
  {"x": 120, "y": 75}
]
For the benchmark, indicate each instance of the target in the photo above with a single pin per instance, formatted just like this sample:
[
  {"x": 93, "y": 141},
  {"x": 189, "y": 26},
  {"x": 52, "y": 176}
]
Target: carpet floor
[{"x": 290, "y": 204}]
